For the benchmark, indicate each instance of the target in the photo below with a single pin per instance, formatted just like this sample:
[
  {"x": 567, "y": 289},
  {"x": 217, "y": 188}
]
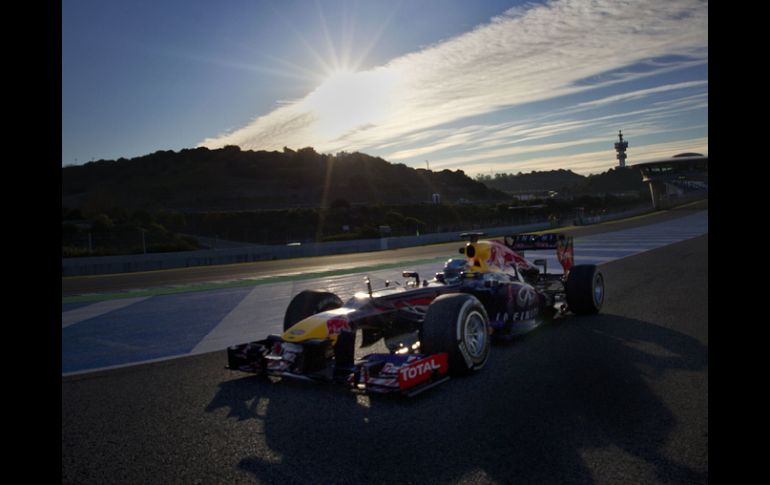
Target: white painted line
[
  {"x": 97, "y": 309},
  {"x": 244, "y": 320},
  {"x": 128, "y": 364}
]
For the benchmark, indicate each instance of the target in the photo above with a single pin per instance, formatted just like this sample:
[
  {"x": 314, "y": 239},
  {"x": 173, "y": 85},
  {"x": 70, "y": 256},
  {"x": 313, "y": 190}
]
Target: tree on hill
[
  {"x": 616, "y": 179},
  {"x": 533, "y": 181},
  {"x": 565, "y": 181}
]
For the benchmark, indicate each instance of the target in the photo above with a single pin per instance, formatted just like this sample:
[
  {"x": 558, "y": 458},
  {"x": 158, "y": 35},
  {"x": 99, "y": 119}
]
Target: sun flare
[{"x": 349, "y": 100}]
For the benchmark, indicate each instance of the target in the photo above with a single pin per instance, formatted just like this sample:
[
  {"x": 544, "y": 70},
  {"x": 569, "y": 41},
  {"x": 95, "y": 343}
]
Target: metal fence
[{"x": 120, "y": 241}]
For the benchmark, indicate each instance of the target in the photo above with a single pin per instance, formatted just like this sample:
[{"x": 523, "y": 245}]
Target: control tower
[{"x": 620, "y": 147}]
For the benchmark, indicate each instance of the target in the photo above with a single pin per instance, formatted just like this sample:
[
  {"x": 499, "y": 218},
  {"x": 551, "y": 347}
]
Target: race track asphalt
[{"x": 621, "y": 397}]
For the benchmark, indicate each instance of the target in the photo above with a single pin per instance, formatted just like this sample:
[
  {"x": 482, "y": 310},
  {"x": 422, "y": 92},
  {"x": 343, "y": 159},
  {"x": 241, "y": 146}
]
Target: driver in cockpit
[{"x": 453, "y": 270}]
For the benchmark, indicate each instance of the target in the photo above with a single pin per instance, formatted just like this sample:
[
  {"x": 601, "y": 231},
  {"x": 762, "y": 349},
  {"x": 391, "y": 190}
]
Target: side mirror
[{"x": 543, "y": 263}]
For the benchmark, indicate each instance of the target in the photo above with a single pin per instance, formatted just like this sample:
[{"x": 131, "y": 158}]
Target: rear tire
[
  {"x": 307, "y": 303},
  {"x": 458, "y": 325},
  {"x": 585, "y": 289}
]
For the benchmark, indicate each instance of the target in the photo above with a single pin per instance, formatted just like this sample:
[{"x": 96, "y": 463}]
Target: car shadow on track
[{"x": 579, "y": 401}]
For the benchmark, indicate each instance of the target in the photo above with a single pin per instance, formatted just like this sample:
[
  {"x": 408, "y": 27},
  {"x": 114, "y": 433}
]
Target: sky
[{"x": 485, "y": 86}]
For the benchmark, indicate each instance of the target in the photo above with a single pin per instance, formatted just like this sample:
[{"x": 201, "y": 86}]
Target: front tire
[
  {"x": 585, "y": 289},
  {"x": 307, "y": 303},
  {"x": 458, "y": 325}
]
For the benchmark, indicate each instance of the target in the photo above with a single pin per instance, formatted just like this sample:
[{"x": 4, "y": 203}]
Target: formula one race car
[{"x": 431, "y": 328}]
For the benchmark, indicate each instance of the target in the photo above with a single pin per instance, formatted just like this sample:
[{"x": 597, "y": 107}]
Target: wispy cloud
[
  {"x": 641, "y": 93},
  {"x": 527, "y": 55}
]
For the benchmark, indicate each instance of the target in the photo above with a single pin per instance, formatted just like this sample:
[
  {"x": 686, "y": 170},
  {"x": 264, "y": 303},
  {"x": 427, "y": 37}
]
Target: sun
[
  {"x": 347, "y": 96},
  {"x": 349, "y": 100}
]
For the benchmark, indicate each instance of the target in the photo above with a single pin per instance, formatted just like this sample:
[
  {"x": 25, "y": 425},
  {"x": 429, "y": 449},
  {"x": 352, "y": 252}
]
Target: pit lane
[{"x": 618, "y": 397}]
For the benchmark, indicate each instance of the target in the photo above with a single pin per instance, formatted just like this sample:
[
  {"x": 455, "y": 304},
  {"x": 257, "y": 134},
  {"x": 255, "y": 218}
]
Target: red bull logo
[{"x": 335, "y": 326}]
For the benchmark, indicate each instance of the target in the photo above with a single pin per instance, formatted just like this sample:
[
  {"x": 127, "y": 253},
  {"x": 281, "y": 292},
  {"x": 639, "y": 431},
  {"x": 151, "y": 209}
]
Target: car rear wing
[
  {"x": 524, "y": 242},
  {"x": 562, "y": 243}
]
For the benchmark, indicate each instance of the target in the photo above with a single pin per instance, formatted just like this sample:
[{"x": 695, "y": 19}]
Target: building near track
[{"x": 681, "y": 178}]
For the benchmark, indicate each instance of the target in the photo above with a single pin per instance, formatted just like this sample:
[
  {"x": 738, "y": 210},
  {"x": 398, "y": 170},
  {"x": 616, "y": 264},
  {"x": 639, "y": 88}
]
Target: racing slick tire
[
  {"x": 307, "y": 303},
  {"x": 458, "y": 325},
  {"x": 585, "y": 289}
]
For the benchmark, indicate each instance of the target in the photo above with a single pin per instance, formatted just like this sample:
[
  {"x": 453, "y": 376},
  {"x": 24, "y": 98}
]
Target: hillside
[
  {"x": 230, "y": 179},
  {"x": 534, "y": 181},
  {"x": 614, "y": 180}
]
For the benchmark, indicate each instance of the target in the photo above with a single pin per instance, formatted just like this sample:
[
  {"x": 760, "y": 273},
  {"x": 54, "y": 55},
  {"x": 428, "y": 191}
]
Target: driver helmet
[{"x": 453, "y": 269}]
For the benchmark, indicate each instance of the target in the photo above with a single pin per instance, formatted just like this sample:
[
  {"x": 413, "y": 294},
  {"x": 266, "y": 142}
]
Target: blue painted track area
[{"x": 158, "y": 327}]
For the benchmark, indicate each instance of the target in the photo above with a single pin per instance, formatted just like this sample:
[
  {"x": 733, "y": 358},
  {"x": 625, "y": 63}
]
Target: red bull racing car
[{"x": 431, "y": 328}]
